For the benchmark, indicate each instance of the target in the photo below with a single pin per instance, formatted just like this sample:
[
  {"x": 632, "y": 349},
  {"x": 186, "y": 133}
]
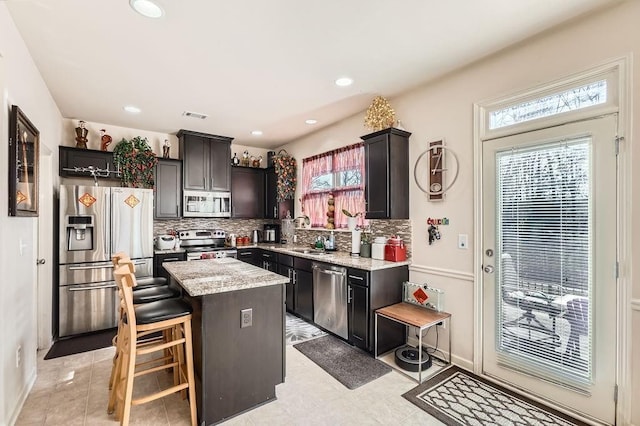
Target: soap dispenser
[{"x": 331, "y": 243}]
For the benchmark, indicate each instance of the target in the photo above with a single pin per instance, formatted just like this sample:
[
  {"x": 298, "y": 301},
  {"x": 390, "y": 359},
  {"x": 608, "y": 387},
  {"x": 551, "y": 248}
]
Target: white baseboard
[{"x": 23, "y": 397}]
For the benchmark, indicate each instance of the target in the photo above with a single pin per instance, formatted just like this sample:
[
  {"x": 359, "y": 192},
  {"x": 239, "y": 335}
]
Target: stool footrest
[{"x": 160, "y": 394}]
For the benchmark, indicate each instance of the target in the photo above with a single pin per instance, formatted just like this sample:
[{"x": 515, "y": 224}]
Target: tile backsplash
[{"x": 379, "y": 227}]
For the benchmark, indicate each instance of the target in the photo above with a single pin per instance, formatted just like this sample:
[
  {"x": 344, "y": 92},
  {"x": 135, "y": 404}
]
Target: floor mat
[
  {"x": 457, "y": 397},
  {"x": 82, "y": 343},
  {"x": 349, "y": 365}
]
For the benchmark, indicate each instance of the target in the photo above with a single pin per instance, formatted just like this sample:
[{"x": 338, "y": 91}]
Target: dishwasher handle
[{"x": 330, "y": 271}]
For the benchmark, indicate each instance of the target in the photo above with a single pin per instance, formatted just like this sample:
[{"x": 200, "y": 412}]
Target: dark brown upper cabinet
[
  {"x": 273, "y": 208},
  {"x": 247, "y": 192},
  {"x": 75, "y": 162},
  {"x": 168, "y": 189},
  {"x": 387, "y": 174},
  {"x": 206, "y": 161}
]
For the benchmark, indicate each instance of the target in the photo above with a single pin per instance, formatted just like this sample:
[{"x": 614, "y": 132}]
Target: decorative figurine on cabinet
[
  {"x": 245, "y": 159},
  {"x": 255, "y": 162},
  {"x": 105, "y": 140},
  {"x": 166, "y": 148},
  {"x": 235, "y": 160},
  {"x": 81, "y": 135}
]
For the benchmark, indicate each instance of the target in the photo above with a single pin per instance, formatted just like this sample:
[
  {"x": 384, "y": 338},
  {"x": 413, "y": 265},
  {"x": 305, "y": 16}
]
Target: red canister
[{"x": 395, "y": 250}]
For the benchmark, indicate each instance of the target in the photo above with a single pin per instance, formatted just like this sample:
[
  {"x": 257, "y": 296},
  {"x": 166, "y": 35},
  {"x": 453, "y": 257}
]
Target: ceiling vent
[{"x": 194, "y": 115}]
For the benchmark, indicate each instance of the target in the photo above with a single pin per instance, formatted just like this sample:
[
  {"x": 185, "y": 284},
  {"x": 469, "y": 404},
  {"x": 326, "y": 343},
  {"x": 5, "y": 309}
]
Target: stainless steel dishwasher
[{"x": 330, "y": 298}]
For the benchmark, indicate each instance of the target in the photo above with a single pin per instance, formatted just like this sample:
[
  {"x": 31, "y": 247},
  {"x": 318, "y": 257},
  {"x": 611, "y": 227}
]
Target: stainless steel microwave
[{"x": 206, "y": 204}]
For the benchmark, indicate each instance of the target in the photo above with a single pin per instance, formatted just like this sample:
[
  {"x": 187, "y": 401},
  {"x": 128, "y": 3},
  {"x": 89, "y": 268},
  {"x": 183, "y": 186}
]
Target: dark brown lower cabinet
[
  {"x": 304, "y": 288},
  {"x": 237, "y": 368},
  {"x": 368, "y": 291}
]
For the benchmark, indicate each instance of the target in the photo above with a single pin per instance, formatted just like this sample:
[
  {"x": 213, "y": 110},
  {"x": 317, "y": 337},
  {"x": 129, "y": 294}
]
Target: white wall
[
  {"x": 22, "y": 85},
  {"x": 444, "y": 109}
]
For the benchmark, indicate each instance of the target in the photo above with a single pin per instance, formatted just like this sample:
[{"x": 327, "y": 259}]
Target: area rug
[
  {"x": 298, "y": 330},
  {"x": 82, "y": 343},
  {"x": 349, "y": 365},
  {"x": 457, "y": 397}
]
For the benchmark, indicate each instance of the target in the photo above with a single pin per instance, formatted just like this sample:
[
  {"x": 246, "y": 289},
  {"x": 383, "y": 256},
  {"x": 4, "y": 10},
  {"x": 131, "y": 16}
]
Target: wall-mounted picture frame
[{"x": 24, "y": 153}]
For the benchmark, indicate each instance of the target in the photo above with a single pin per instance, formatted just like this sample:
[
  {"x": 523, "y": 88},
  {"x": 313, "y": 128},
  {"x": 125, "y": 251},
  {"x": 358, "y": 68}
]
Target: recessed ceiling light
[
  {"x": 257, "y": 133},
  {"x": 147, "y": 8},
  {"x": 311, "y": 121},
  {"x": 132, "y": 109},
  {"x": 344, "y": 81}
]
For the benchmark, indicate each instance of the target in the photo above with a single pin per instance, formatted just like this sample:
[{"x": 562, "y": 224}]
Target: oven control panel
[{"x": 195, "y": 234}]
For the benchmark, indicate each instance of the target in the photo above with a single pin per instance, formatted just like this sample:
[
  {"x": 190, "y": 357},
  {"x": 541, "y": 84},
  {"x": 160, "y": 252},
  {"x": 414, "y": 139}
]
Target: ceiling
[{"x": 261, "y": 65}]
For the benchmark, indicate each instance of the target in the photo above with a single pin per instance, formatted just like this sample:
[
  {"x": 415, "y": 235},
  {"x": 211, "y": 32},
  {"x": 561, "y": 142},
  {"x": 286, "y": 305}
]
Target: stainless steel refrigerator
[{"x": 95, "y": 223}]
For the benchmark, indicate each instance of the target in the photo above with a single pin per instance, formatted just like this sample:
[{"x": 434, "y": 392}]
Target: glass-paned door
[{"x": 549, "y": 260}]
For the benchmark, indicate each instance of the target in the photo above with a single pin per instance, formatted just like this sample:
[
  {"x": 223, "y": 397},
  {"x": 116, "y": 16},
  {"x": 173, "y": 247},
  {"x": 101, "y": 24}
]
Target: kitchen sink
[{"x": 309, "y": 251}]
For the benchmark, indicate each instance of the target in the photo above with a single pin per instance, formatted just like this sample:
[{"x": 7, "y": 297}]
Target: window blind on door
[{"x": 544, "y": 276}]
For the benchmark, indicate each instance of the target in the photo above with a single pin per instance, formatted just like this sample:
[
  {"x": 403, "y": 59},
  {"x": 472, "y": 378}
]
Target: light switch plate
[
  {"x": 246, "y": 318},
  {"x": 463, "y": 241}
]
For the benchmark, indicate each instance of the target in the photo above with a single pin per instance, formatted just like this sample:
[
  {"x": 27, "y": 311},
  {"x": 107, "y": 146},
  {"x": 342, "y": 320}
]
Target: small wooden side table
[{"x": 415, "y": 316}]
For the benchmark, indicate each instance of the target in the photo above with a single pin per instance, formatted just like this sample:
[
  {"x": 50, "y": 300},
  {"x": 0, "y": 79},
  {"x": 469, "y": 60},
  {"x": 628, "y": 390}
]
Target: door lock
[
  {"x": 489, "y": 253},
  {"x": 488, "y": 269},
  {"x": 40, "y": 262}
]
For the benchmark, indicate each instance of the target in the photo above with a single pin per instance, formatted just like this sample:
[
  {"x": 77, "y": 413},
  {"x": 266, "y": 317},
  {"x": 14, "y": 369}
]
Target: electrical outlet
[
  {"x": 246, "y": 318},
  {"x": 18, "y": 356},
  {"x": 463, "y": 241},
  {"x": 441, "y": 324}
]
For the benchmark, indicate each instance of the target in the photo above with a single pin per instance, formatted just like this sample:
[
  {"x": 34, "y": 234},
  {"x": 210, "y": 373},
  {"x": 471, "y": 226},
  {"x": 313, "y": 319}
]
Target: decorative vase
[
  {"x": 365, "y": 249},
  {"x": 352, "y": 222}
]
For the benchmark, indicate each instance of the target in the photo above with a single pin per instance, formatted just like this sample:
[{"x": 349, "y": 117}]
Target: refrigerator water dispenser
[{"x": 79, "y": 233}]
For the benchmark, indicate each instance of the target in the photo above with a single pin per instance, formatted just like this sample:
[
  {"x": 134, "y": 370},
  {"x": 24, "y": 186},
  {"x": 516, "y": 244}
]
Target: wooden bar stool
[
  {"x": 172, "y": 315},
  {"x": 140, "y": 296},
  {"x": 142, "y": 282},
  {"x": 157, "y": 288}
]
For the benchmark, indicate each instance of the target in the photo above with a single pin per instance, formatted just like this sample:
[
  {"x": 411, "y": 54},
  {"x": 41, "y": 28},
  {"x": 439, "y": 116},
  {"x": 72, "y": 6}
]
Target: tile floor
[{"x": 72, "y": 390}]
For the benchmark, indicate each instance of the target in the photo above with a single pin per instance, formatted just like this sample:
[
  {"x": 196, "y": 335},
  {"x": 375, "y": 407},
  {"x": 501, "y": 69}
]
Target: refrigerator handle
[{"x": 106, "y": 210}]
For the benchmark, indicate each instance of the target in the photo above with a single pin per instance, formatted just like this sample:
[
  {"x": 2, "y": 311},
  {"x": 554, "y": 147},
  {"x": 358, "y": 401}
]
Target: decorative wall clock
[{"x": 436, "y": 170}]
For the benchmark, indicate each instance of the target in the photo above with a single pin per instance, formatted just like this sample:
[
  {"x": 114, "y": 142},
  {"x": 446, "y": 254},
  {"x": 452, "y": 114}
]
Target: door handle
[
  {"x": 349, "y": 294},
  {"x": 295, "y": 276},
  {"x": 41, "y": 262},
  {"x": 488, "y": 269},
  {"x": 356, "y": 278},
  {"x": 275, "y": 212},
  {"x": 171, "y": 259}
]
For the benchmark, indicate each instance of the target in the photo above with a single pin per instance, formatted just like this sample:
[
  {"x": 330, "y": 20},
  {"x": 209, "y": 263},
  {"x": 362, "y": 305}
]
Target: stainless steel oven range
[{"x": 205, "y": 244}]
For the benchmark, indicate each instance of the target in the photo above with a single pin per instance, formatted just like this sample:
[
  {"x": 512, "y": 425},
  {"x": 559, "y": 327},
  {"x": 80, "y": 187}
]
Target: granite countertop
[
  {"x": 341, "y": 258},
  {"x": 211, "y": 276}
]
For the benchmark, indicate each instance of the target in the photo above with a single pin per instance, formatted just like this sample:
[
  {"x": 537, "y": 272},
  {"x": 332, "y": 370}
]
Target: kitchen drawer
[
  {"x": 302, "y": 264},
  {"x": 159, "y": 259},
  {"x": 358, "y": 277},
  {"x": 269, "y": 255},
  {"x": 285, "y": 259}
]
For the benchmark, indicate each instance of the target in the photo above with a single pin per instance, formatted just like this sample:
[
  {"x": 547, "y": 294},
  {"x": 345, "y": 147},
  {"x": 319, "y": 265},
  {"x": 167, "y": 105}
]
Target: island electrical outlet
[{"x": 246, "y": 318}]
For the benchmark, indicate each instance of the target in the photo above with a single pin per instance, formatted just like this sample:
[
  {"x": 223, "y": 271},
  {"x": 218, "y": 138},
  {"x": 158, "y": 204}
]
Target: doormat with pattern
[
  {"x": 347, "y": 364},
  {"x": 457, "y": 397},
  {"x": 298, "y": 330}
]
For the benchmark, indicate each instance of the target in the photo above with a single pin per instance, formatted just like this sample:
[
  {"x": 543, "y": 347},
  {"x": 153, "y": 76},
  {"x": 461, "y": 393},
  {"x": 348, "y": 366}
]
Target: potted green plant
[
  {"x": 352, "y": 219},
  {"x": 135, "y": 159},
  {"x": 366, "y": 239}
]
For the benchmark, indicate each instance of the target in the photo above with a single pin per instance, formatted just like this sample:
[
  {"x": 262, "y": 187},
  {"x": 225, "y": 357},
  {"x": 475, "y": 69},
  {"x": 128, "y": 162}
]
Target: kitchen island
[{"x": 238, "y": 334}]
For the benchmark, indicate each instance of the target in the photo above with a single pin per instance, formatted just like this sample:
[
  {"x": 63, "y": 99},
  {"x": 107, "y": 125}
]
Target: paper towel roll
[{"x": 355, "y": 242}]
